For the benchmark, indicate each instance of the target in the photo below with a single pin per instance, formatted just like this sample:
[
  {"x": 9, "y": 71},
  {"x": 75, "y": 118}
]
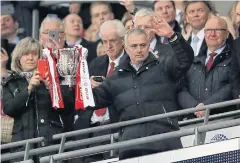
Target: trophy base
[{"x": 68, "y": 80}]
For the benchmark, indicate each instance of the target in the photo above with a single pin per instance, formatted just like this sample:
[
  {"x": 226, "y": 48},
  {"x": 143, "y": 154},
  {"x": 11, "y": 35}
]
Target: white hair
[
  {"x": 118, "y": 25},
  {"x": 50, "y": 19},
  {"x": 143, "y": 12}
]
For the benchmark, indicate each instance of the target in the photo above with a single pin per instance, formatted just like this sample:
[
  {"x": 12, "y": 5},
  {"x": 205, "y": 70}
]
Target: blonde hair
[{"x": 24, "y": 46}]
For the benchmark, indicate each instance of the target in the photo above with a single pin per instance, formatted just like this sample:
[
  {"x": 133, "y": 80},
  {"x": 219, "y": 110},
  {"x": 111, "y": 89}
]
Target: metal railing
[
  {"x": 78, "y": 143},
  {"x": 139, "y": 141}
]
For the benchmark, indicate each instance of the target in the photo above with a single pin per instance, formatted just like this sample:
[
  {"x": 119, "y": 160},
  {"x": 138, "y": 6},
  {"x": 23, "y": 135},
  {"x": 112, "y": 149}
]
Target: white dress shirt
[
  {"x": 105, "y": 117},
  {"x": 200, "y": 36},
  {"x": 218, "y": 51}
]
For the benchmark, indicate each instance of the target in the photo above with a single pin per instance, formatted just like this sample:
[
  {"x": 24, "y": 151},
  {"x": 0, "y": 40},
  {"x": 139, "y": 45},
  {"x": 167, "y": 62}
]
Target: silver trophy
[{"x": 67, "y": 65}]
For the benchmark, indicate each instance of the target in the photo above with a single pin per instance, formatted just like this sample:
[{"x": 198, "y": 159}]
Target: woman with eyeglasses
[{"x": 26, "y": 96}]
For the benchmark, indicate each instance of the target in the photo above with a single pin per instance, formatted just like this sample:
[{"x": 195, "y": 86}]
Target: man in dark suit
[
  {"x": 112, "y": 33},
  {"x": 208, "y": 80},
  {"x": 197, "y": 14},
  {"x": 73, "y": 29}
]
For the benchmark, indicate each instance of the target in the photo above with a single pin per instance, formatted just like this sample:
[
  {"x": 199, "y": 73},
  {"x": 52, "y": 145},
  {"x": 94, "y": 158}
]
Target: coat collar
[
  {"x": 225, "y": 54},
  {"x": 125, "y": 62},
  {"x": 13, "y": 76}
]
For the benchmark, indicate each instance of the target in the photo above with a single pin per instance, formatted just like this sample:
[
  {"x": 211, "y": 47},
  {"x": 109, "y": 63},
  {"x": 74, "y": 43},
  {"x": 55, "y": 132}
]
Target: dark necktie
[
  {"x": 210, "y": 61},
  {"x": 101, "y": 112}
]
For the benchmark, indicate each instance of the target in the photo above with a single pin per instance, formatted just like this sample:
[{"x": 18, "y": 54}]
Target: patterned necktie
[
  {"x": 210, "y": 61},
  {"x": 101, "y": 112},
  {"x": 194, "y": 44}
]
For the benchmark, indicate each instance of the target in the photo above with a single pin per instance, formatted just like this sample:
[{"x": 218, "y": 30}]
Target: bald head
[
  {"x": 73, "y": 25},
  {"x": 216, "y": 33},
  {"x": 215, "y": 22}
]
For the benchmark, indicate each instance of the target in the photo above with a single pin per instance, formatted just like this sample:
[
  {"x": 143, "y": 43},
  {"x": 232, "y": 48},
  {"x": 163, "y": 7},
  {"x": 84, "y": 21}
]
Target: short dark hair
[
  {"x": 154, "y": 2},
  {"x": 207, "y": 3},
  {"x": 96, "y": 3}
]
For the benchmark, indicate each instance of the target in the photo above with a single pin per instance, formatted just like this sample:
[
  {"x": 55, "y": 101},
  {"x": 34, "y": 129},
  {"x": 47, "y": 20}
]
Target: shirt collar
[
  {"x": 153, "y": 44},
  {"x": 117, "y": 60},
  {"x": 200, "y": 34},
  {"x": 78, "y": 42},
  {"x": 136, "y": 67},
  {"x": 15, "y": 41},
  {"x": 217, "y": 51}
]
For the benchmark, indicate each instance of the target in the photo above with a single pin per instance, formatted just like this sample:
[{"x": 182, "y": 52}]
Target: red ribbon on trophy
[
  {"x": 83, "y": 91},
  {"x": 54, "y": 86}
]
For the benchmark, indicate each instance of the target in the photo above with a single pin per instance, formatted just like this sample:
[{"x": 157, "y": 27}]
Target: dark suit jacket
[
  {"x": 92, "y": 49},
  {"x": 177, "y": 27}
]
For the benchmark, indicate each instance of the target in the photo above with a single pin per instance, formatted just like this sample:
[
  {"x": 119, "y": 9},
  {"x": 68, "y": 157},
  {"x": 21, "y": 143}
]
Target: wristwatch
[
  {"x": 173, "y": 38},
  {"x": 134, "y": 11}
]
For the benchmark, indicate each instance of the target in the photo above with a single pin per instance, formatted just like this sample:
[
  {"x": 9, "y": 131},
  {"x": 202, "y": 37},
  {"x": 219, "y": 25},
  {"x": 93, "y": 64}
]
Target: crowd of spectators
[{"x": 153, "y": 59}]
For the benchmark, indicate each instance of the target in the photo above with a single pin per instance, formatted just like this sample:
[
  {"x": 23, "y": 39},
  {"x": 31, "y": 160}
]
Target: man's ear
[
  {"x": 111, "y": 15},
  {"x": 16, "y": 25}
]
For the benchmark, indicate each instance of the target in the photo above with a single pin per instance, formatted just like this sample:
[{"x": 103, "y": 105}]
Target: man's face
[
  {"x": 128, "y": 25},
  {"x": 8, "y": 26},
  {"x": 197, "y": 15},
  {"x": 166, "y": 10},
  {"x": 238, "y": 13},
  {"x": 137, "y": 48},
  {"x": 45, "y": 38},
  {"x": 73, "y": 25},
  {"x": 100, "y": 14},
  {"x": 112, "y": 43},
  {"x": 215, "y": 32},
  {"x": 145, "y": 23}
]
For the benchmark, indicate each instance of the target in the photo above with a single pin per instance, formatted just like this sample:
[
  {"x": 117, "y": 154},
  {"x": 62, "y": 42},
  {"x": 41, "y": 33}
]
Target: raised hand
[
  {"x": 200, "y": 113},
  {"x": 161, "y": 27},
  {"x": 34, "y": 81},
  {"x": 46, "y": 80},
  {"x": 128, "y": 4},
  {"x": 4, "y": 58}
]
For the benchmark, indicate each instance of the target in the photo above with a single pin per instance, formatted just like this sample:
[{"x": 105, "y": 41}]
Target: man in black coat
[
  {"x": 112, "y": 33},
  {"x": 208, "y": 80},
  {"x": 144, "y": 86},
  {"x": 73, "y": 31}
]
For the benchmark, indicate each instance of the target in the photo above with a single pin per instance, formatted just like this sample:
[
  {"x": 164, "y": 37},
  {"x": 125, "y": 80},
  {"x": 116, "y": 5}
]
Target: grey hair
[
  {"x": 143, "y": 12},
  {"x": 137, "y": 31},
  {"x": 117, "y": 23},
  {"x": 50, "y": 19},
  {"x": 24, "y": 46}
]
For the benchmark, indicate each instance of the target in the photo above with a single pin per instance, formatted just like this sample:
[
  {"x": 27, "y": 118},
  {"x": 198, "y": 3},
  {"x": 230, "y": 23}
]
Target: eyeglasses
[{"x": 217, "y": 30}]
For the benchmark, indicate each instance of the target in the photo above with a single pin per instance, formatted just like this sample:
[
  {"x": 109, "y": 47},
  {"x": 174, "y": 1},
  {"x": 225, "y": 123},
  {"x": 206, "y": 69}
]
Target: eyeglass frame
[{"x": 216, "y": 30}]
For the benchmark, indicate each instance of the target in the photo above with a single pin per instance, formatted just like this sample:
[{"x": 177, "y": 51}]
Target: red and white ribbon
[
  {"x": 84, "y": 95},
  {"x": 55, "y": 92}
]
